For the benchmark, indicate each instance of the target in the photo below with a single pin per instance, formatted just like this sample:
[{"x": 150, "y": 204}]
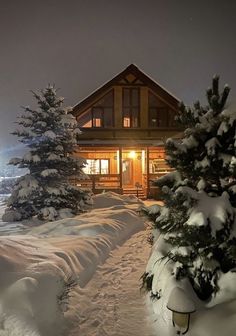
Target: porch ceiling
[{"x": 123, "y": 143}]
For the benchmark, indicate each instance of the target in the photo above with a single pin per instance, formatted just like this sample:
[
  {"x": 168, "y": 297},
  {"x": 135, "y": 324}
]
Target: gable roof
[{"x": 135, "y": 71}]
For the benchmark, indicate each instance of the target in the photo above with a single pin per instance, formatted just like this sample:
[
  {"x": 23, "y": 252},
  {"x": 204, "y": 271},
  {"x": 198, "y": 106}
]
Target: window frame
[
  {"x": 157, "y": 109},
  {"x": 93, "y": 107},
  {"x": 131, "y": 107},
  {"x": 100, "y": 159}
]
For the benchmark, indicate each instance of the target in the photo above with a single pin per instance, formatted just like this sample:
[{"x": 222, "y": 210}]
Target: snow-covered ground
[
  {"x": 100, "y": 256},
  {"x": 36, "y": 262},
  {"x": 111, "y": 303}
]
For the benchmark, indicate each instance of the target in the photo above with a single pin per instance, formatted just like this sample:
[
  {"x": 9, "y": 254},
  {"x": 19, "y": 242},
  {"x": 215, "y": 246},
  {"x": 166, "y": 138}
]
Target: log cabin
[{"x": 124, "y": 125}]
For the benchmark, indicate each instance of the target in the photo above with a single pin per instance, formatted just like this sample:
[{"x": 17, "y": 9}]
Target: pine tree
[
  {"x": 198, "y": 217},
  {"x": 50, "y": 133}
]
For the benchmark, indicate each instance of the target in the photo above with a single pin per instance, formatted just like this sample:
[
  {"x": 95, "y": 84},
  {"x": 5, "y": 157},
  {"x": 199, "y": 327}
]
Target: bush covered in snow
[
  {"x": 198, "y": 219},
  {"x": 50, "y": 133}
]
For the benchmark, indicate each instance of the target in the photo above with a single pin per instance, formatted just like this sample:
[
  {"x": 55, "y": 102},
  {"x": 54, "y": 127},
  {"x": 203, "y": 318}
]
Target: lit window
[
  {"x": 96, "y": 166},
  {"x": 97, "y": 117},
  {"x": 131, "y": 107},
  {"x": 104, "y": 166},
  {"x": 100, "y": 114},
  {"x": 126, "y": 122}
]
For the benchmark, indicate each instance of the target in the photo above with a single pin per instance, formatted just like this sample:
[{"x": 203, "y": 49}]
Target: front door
[{"x": 127, "y": 172}]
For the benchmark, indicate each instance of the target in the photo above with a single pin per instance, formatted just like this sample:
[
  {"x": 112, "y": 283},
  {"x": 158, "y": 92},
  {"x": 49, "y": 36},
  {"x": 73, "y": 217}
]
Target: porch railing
[{"x": 100, "y": 182}]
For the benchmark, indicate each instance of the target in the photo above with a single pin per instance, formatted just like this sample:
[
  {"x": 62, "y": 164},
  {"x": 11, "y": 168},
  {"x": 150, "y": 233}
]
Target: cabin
[{"x": 124, "y": 125}]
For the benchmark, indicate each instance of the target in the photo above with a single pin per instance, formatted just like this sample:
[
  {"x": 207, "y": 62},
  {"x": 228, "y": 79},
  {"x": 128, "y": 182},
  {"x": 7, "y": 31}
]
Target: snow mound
[
  {"x": 38, "y": 265},
  {"x": 110, "y": 198},
  {"x": 179, "y": 302},
  {"x": 11, "y": 216},
  {"x": 30, "y": 286}
]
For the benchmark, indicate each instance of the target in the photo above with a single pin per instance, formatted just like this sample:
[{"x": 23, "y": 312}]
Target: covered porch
[{"x": 123, "y": 169}]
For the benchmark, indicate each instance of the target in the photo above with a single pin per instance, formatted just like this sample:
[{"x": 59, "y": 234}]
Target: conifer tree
[
  {"x": 198, "y": 217},
  {"x": 50, "y": 134}
]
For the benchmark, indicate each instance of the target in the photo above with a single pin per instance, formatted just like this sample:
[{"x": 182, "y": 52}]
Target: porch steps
[{"x": 141, "y": 193}]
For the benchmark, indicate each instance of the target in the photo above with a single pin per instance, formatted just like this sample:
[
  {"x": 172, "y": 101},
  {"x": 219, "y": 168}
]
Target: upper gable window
[
  {"x": 131, "y": 107},
  {"x": 101, "y": 114},
  {"x": 158, "y": 113}
]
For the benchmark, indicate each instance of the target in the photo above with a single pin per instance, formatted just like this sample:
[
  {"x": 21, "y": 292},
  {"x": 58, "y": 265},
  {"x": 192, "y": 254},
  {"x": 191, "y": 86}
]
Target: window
[
  {"x": 158, "y": 166},
  {"x": 158, "y": 114},
  {"x": 100, "y": 114},
  {"x": 171, "y": 119},
  {"x": 131, "y": 107},
  {"x": 97, "y": 166}
]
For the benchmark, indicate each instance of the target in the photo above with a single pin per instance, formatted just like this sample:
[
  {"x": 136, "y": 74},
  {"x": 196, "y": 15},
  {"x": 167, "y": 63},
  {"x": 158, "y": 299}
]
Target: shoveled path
[{"x": 111, "y": 302}]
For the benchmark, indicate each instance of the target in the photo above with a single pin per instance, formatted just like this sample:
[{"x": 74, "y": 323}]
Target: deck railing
[{"x": 98, "y": 182}]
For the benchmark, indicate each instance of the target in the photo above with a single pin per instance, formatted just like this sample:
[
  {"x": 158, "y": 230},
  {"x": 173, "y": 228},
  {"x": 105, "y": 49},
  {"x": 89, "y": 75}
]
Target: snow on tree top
[
  {"x": 189, "y": 142},
  {"x": 50, "y": 134},
  {"x": 213, "y": 210},
  {"x": 53, "y": 156},
  {"x": 204, "y": 163},
  {"x": 68, "y": 119},
  {"x": 15, "y": 161},
  {"x": 226, "y": 158},
  {"x": 211, "y": 146},
  {"x": 30, "y": 157},
  {"x": 49, "y": 172},
  {"x": 230, "y": 114},
  {"x": 201, "y": 184},
  {"x": 229, "y": 117},
  {"x": 179, "y": 302}
]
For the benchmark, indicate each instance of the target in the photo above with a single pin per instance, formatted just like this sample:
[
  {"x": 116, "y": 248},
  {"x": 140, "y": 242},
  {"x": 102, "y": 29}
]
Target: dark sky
[{"x": 80, "y": 44}]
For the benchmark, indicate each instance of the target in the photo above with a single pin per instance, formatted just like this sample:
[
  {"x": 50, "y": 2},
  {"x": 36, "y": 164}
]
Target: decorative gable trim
[{"x": 132, "y": 75}]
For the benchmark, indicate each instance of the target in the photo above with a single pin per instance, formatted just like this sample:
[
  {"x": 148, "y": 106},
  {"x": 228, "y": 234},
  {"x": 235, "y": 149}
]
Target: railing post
[
  {"x": 93, "y": 183},
  {"x": 120, "y": 167},
  {"x": 147, "y": 168}
]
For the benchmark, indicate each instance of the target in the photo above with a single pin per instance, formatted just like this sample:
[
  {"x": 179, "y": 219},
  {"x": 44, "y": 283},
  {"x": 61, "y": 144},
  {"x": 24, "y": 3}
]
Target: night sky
[{"x": 80, "y": 44}]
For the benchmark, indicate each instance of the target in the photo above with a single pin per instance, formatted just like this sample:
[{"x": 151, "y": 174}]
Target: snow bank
[
  {"x": 55, "y": 253},
  {"x": 88, "y": 239},
  {"x": 110, "y": 198},
  {"x": 30, "y": 285}
]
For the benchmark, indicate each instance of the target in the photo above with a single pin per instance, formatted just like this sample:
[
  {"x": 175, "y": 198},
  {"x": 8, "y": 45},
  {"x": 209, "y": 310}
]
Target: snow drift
[{"x": 40, "y": 266}]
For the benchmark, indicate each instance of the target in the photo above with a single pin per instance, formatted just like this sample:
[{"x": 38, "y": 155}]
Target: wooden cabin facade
[{"x": 124, "y": 126}]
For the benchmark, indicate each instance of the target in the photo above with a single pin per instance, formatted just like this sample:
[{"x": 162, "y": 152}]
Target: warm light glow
[
  {"x": 132, "y": 155},
  {"x": 126, "y": 121}
]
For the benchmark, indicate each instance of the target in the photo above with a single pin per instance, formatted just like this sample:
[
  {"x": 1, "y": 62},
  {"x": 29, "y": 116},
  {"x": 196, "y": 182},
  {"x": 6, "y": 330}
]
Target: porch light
[
  {"x": 181, "y": 307},
  {"x": 132, "y": 155}
]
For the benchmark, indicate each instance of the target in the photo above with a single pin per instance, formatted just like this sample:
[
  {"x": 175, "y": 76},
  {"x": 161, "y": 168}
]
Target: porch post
[
  {"x": 147, "y": 170},
  {"x": 120, "y": 166}
]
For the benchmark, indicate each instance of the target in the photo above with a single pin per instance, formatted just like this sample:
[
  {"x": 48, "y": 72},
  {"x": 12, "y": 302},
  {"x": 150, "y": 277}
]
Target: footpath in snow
[{"x": 112, "y": 303}]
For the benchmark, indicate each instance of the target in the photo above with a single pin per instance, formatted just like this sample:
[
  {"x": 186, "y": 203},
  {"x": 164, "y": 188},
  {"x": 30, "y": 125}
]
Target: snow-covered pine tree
[
  {"x": 50, "y": 133},
  {"x": 198, "y": 216}
]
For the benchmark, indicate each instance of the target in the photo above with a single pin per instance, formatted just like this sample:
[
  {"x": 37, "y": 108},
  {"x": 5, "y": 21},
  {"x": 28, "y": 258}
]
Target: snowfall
[{"x": 100, "y": 255}]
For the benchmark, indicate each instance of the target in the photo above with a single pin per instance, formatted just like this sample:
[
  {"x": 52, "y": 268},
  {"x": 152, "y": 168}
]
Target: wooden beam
[{"x": 120, "y": 166}]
